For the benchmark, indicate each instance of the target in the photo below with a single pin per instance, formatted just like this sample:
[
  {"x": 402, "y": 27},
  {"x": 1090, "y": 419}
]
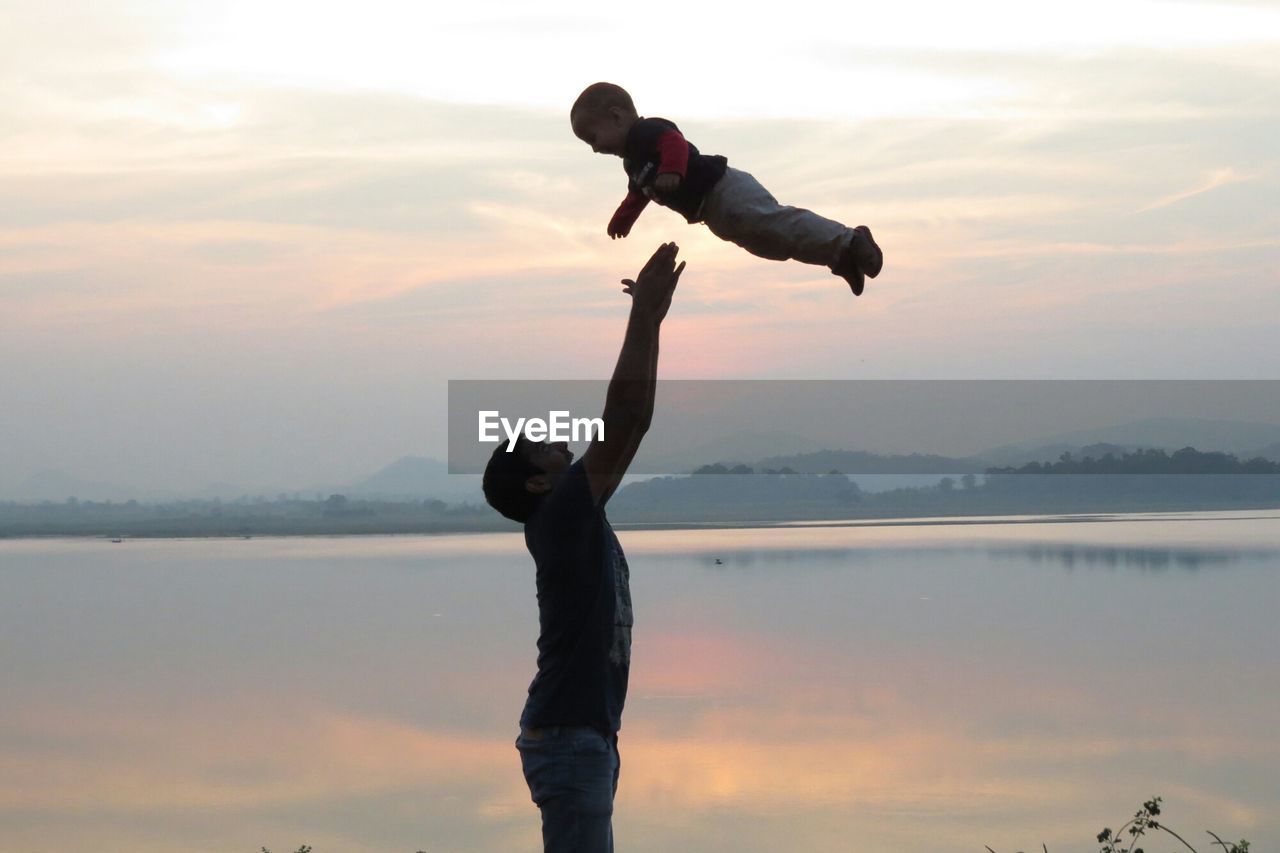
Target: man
[{"x": 568, "y": 739}]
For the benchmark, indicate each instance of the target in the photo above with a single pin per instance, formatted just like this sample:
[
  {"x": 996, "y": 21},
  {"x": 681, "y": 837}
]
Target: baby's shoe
[
  {"x": 870, "y": 258},
  {"x": 857, "y": 281},
  {"x": 862, "y": 259}
]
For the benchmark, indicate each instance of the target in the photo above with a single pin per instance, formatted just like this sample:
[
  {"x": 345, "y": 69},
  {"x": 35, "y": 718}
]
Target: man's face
[
  {"x": 554, "y": 459},
  {"x": 605, "y": 132}
]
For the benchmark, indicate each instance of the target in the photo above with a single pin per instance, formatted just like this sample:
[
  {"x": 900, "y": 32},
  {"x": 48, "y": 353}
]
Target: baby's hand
[{"x": 667, "y": 182}]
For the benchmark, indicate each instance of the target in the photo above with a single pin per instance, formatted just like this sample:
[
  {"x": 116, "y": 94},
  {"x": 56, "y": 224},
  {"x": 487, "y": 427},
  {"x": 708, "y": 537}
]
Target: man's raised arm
[{"x": 628, "y": 405}]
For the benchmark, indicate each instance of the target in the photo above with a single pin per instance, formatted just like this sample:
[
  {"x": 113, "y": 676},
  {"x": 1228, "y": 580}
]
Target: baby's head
[{"x": 602, "y": 116}]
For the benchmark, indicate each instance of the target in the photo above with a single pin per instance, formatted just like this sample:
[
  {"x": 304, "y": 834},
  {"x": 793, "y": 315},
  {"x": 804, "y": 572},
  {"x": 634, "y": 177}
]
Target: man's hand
[
  {"x": 651, "y": 290},
  {"x": 667, "y": 183},
  {"x": 628, "y": 406}
]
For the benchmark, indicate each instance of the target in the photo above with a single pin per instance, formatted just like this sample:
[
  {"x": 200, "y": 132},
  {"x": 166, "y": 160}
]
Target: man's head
[
  {"x": 515, "y": 482},
  {"x": 602, "y": 116}
]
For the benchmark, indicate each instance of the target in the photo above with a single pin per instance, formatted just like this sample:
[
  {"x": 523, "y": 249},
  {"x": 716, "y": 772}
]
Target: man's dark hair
[
  {"x": 600, "y": 97},
  {"x": 504, "y": 479}
]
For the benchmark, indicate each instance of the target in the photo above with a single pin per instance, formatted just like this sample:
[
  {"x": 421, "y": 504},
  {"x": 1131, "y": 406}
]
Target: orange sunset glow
[{"x": 352, "y": 203}]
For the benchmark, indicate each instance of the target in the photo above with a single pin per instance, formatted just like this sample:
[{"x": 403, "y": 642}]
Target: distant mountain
[
  {"x": 862, "y": 462},
  {"x": 1101, "y": 449},
  {"x": 1156, "y": 433},
  {"x": 221, "y": 490},
  {"x": 417, "y": 478},
  {"x": 1271, "y": 451},
  {"x": 739, "y": 447},
  {"x": 56, "y": 485},
  {"x": 874, "y": 472},
  {"x": 408, "y": 478},
  {"x": 719, "y": 493},
  {"x": 1018, "y": 455},
  {"x": 51, "y": 484}
]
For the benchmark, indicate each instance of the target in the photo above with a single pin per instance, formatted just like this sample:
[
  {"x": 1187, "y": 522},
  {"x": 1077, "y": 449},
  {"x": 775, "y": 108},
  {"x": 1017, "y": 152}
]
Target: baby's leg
[{"x": 740, "y": 210}]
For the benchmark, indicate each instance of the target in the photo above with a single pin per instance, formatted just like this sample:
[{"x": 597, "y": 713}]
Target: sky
[{"x": 251, "y": 242}]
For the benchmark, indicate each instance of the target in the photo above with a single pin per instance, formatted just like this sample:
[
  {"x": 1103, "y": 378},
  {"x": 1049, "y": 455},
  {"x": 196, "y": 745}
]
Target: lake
[{"x": 912, "y": 687}]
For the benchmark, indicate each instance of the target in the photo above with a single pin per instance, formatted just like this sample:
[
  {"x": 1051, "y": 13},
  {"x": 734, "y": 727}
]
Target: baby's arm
[
  {"x": 627, "y": 214},
  {"x": 673, "y": 161}
]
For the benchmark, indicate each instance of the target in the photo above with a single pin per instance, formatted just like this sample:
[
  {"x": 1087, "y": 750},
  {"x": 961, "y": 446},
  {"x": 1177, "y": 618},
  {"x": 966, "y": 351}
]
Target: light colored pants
[{"x": 740, "y": 210}]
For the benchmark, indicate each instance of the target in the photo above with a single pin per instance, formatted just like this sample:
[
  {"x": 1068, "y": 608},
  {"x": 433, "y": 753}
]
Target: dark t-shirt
[
  {"x": 584, "y": 611},
  {"x": 641, "y": 160}
]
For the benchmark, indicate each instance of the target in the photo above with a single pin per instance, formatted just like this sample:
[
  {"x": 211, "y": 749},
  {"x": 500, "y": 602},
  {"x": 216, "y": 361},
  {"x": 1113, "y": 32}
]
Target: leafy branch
[{"x": 1143, "y": 820}]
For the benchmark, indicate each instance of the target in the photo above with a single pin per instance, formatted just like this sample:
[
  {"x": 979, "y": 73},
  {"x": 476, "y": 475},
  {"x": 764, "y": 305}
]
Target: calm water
[{"x": 821, "y": 688}]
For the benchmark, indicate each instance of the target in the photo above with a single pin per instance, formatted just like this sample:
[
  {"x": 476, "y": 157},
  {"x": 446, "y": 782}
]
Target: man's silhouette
[{"x": 568, "y": 739}]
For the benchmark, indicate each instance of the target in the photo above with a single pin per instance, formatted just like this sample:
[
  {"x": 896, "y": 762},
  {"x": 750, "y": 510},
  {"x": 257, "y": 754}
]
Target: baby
[{"x": 663, "y": 166}]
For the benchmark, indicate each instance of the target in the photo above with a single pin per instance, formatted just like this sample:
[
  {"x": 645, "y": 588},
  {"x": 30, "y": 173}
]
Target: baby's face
[{"x": 605, "y": 132}]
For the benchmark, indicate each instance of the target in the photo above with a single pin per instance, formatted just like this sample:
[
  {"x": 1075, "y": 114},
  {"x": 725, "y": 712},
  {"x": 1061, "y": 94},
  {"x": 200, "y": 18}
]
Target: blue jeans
[{"x": 572, "y": 774}]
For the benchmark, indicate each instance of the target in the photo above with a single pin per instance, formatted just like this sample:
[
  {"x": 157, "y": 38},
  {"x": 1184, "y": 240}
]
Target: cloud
[
  {"x": 1216, "y": 178},
  {"x": 153, "y": 197}
]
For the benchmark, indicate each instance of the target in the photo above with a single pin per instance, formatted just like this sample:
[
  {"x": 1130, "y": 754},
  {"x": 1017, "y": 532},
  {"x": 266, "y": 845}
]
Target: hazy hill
[
  {"x": 1271, "y": 451},
  {"x": 1238, "y": 437},
  {"x": 862, "y": 462},
  {"x": 719, "y": 493},
  {"x": 419, "y": 478},
  {"x": 55, "y": 485},
  {"x": 416, "y": 478},
  {"x": 738, "y": 447}
]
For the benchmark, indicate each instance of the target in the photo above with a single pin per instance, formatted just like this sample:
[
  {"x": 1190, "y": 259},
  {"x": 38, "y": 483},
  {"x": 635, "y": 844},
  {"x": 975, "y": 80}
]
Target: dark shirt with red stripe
[{"x": 654, "y": 147}]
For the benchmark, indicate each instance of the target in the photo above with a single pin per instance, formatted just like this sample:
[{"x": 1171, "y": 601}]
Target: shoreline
[{"x": 1096, "y": 516}]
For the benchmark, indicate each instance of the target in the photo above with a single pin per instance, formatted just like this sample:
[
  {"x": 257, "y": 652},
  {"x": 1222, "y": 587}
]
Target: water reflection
[
  {"x": 744, "y": 559},
  {"x": 1144, "y": 559},
  {"x": 1070, "y": 556},
  {"x": 901, "y": 689}
]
